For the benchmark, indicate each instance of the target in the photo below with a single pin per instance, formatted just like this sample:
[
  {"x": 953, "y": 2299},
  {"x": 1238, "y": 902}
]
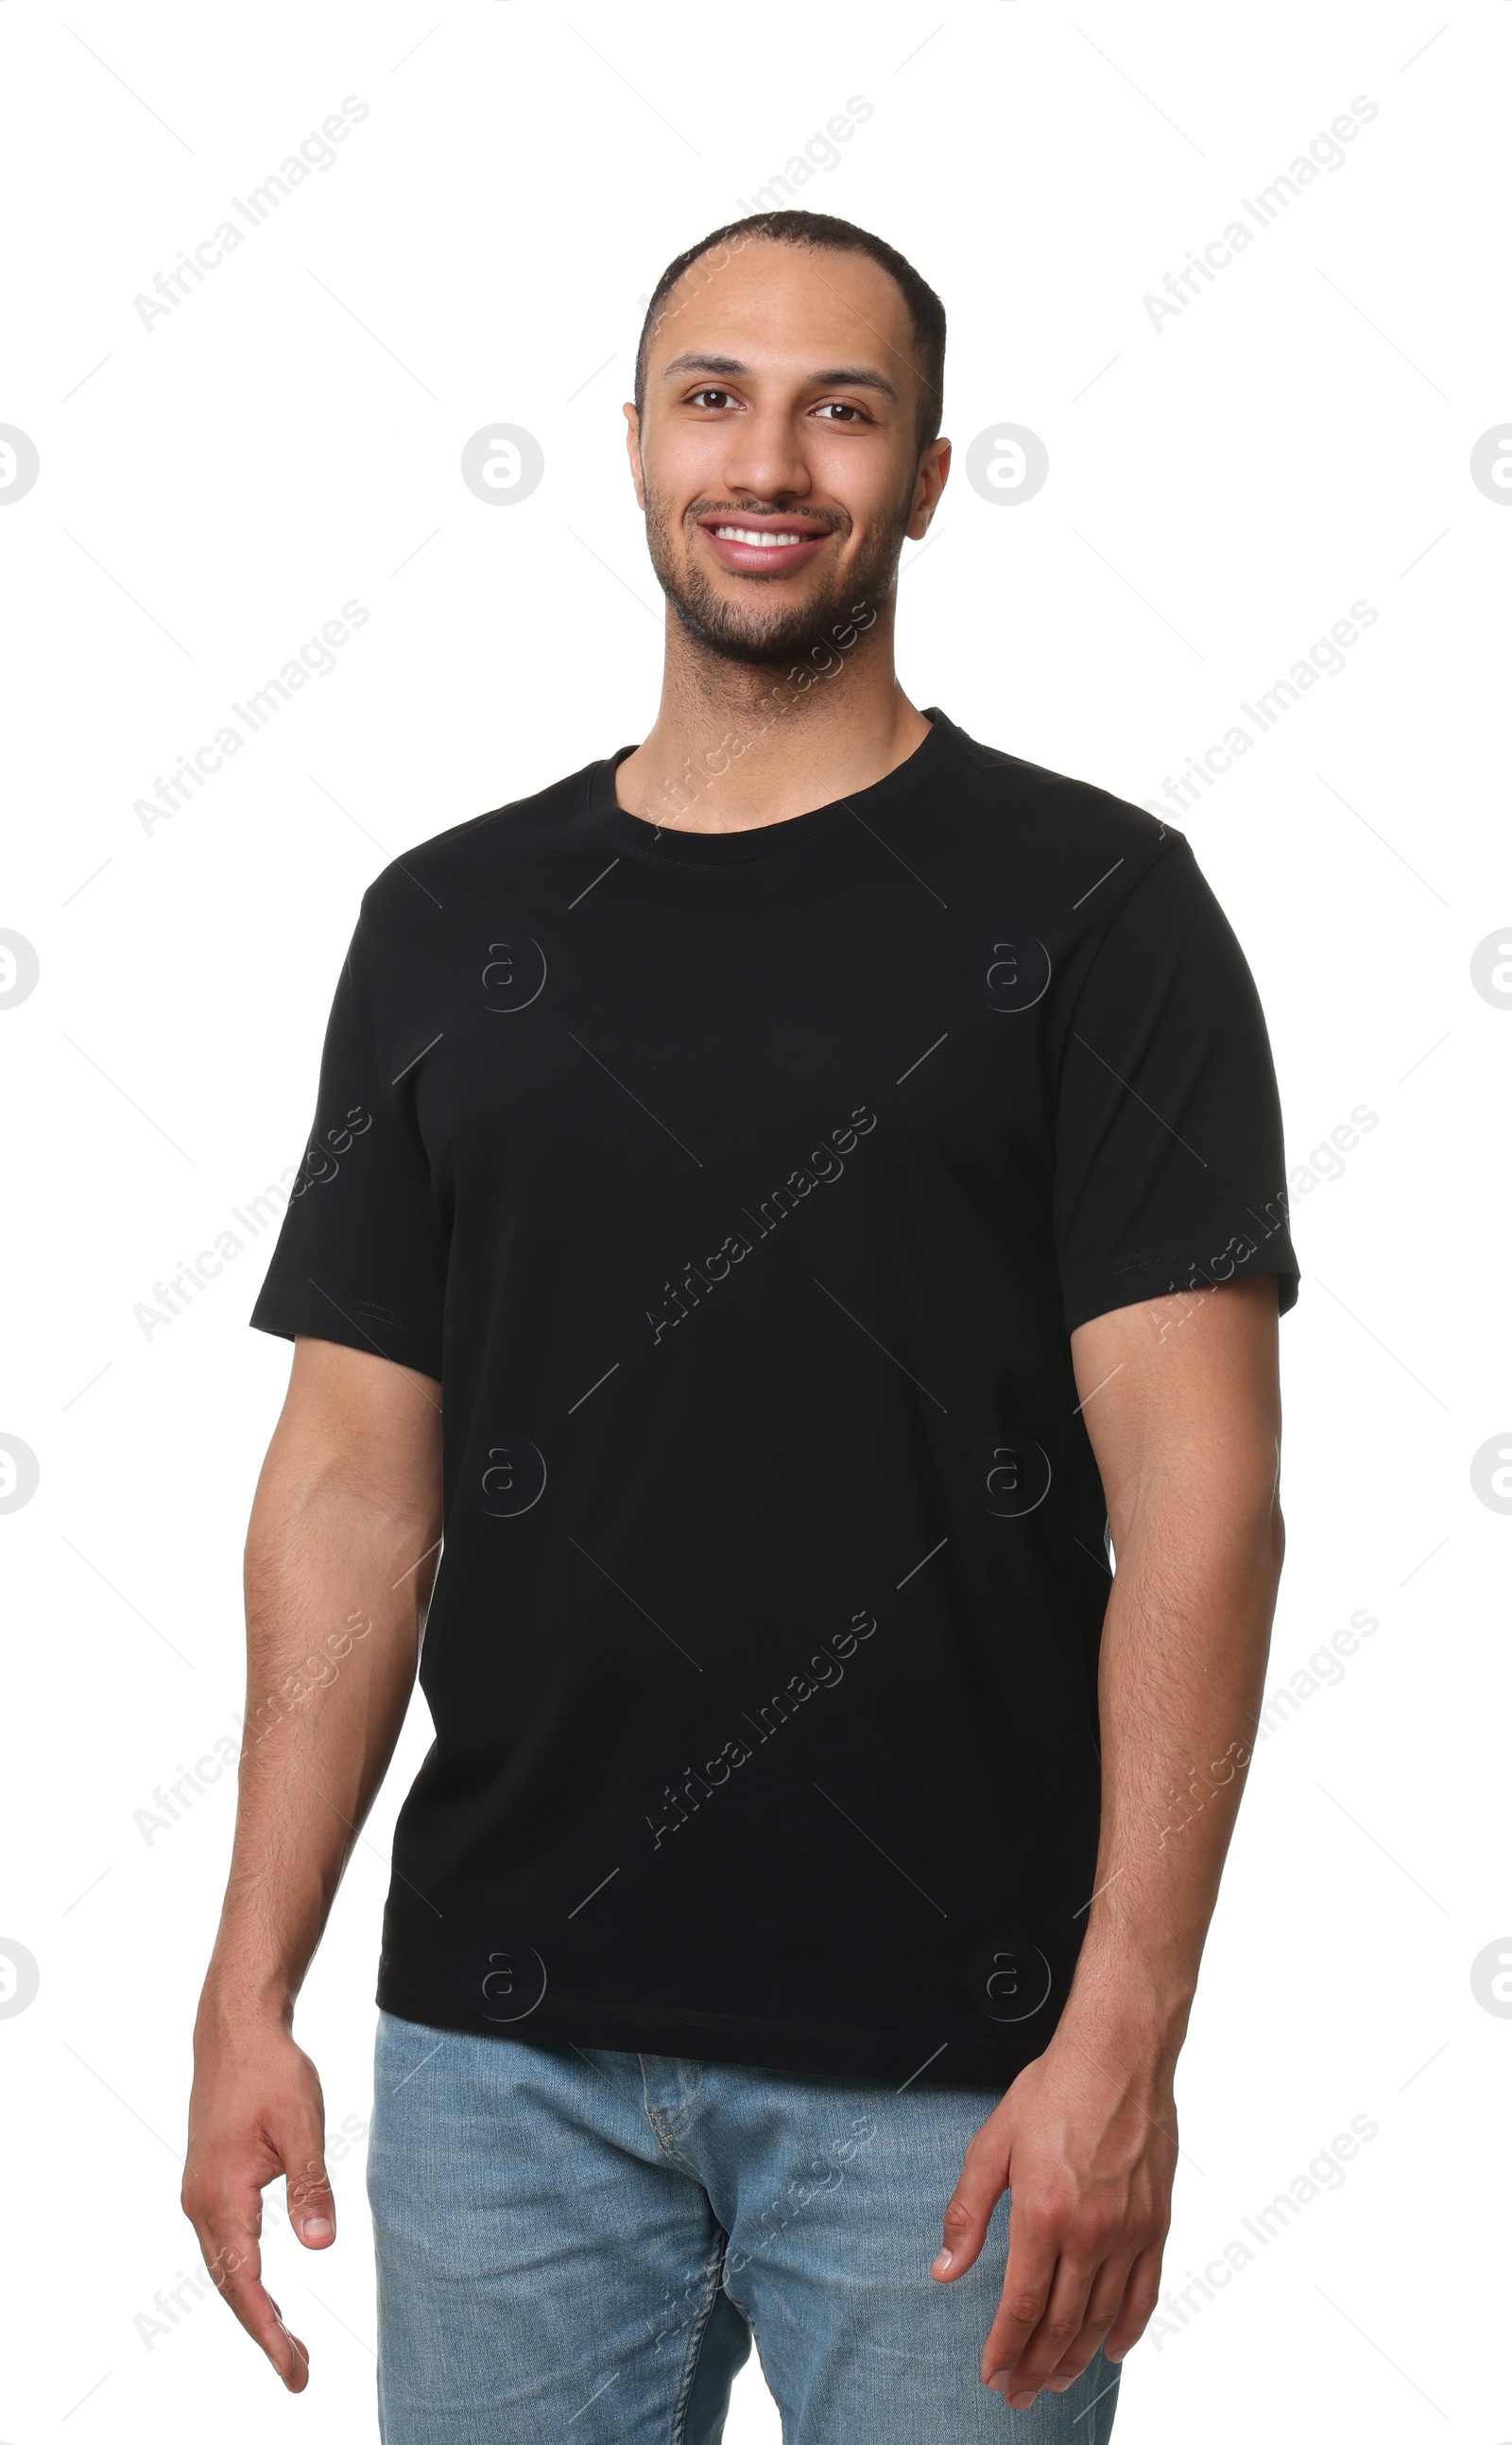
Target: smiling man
[{"x": 829, "y": 1173}]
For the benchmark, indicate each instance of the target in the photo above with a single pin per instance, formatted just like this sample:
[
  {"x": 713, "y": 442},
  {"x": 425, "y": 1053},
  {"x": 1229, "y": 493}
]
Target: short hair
[{"x": 926, "y": 315}]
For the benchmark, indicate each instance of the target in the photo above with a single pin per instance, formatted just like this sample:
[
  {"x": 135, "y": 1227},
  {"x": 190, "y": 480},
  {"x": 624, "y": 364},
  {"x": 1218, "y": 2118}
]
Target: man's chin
[{"x": 763, "y": 643}]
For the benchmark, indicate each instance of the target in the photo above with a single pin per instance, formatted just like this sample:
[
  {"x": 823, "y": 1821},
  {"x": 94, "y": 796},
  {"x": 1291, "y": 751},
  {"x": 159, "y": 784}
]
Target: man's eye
[
  {"x": 833, "y": 409},
  {"x": 710, "y": 398}
]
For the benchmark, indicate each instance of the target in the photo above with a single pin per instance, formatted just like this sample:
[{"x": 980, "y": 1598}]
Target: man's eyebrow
[{"x": 833, "y": 378}]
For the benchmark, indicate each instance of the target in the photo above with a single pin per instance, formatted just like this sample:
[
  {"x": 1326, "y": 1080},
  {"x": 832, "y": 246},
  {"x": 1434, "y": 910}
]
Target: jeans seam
[{"x": 690, "y": 2366}]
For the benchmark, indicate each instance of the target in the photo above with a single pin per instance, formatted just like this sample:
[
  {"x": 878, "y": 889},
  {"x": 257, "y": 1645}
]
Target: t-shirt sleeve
[
  {"x": 1169, "y": 1162},
  {"x": 362, "y": 1251}
]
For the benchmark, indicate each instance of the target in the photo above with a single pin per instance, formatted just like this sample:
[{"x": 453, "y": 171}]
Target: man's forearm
[
  {"x": 337, "y": 1579},
  {"x": 1185, "y": 1643}
]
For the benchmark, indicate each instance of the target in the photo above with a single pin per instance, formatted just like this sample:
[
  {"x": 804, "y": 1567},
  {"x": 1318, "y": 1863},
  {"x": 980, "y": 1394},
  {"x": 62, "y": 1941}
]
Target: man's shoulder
[
  {"x": 1066, "y": 827},
  {"x": 482, "y": 853}
]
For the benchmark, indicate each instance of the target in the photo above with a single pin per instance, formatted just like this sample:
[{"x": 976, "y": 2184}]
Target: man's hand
[
  {"x": 1088, "y": 2151},
  {"x": 255, "y": 2112}
]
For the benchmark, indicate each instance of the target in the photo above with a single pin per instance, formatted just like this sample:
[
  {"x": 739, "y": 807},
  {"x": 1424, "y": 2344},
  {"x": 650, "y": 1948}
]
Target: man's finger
[
  {"x": 969, "y": 2212},
  {"x": 1033, "y": 2252},
  {"x": 1141, "y": 2293},
  {"x": 229, "y": 2244},
  {"x": 312, "y": 2201},
  {"x": 1019, "y": 2376},
  {"x": 1103, "y": 2304}
]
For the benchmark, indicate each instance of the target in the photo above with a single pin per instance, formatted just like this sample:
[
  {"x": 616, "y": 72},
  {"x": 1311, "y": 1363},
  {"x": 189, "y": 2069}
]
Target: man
[{"x": 829, "y": 1174}]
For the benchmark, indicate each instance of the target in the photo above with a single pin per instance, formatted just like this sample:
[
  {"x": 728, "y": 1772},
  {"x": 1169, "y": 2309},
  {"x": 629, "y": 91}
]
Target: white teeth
[{"x": 751, "y": 534}]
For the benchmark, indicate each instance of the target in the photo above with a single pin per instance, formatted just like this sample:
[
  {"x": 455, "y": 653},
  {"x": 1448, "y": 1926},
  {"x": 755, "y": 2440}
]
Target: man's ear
[{"x": 632, "y": 444}]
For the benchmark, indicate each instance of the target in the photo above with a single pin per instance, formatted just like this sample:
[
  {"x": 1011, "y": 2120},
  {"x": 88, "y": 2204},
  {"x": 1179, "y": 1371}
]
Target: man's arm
[
  {"x": 341, "y": 1556},
  {"x": 1182, "y": 1402}
]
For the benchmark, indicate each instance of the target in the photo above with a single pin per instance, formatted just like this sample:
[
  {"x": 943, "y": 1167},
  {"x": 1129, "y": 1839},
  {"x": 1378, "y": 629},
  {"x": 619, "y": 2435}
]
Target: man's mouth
[{"x": 771, "y": 545}]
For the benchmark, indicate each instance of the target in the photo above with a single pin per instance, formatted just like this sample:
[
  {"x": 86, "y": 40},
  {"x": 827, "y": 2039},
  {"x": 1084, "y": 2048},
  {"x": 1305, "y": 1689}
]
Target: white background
[{"x": 1222, "y": 489}]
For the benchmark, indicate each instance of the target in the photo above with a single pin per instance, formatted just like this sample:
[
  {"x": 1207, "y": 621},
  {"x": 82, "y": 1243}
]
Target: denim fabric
[{"x": 577, "y": 2244}]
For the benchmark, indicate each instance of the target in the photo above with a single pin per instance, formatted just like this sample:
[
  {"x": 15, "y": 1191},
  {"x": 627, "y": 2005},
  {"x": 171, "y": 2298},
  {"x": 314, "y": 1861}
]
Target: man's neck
[{"x": 737, "y": 744}]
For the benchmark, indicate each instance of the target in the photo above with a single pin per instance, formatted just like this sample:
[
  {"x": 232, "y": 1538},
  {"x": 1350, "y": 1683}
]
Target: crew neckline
[{"x": 761, "y": 840}]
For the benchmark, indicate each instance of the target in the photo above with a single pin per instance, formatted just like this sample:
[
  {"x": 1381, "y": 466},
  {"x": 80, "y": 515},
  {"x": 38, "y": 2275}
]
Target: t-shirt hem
[{"x": 816, "y": 2051}]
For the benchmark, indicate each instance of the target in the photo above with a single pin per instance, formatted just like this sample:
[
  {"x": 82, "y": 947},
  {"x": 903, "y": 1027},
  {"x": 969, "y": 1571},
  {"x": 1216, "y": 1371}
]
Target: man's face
[{"x": 776, "y": 463}]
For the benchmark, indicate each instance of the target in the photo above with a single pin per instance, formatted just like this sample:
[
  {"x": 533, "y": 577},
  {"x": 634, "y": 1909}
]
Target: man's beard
[{"x": 742, "y": 631}]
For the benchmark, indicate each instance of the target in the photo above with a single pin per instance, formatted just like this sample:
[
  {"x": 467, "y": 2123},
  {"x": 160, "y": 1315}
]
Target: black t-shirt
[{"x": 743, "y": 1191}]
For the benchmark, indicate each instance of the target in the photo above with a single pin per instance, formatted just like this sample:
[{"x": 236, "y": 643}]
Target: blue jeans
[{"x": 578, "y": 2244}]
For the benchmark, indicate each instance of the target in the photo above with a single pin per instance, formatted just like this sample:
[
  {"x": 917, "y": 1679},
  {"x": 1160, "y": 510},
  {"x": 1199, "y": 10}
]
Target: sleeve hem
[
  {"x": 1162, "y": 1277},
  {"x": 356, "y": 1324}
]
